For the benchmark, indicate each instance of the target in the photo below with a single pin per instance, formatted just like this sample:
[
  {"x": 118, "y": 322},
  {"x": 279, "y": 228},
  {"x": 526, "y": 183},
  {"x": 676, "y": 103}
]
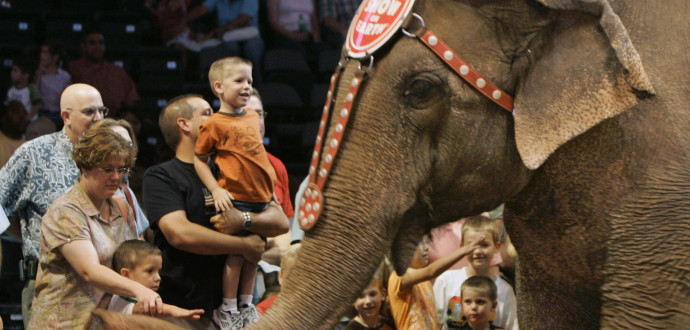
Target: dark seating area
[{"x": 290, "y": 88}]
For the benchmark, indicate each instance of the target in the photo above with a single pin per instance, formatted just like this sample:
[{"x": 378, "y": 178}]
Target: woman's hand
[{"x": 151, "y": 303}]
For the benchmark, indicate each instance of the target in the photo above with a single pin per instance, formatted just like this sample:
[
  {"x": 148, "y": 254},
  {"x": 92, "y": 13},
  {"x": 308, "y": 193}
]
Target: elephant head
[{"x": 423, "y": 147}]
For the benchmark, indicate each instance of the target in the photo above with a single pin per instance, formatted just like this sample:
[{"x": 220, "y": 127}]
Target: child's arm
[
  {"x": 174, "y": 311},
  {"x": 413, "y": 276},
  {"x": 221, "y": 197}
]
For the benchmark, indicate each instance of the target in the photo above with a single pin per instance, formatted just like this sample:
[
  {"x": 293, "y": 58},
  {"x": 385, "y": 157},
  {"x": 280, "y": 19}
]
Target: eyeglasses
[
  {"x": 90, "y": 112},
  {"x": 122, "y": 171}
]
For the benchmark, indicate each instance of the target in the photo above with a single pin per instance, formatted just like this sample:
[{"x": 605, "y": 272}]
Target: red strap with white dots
[
  {"x": 312, "y": 201},
  {"x": 467, "y": 72}
]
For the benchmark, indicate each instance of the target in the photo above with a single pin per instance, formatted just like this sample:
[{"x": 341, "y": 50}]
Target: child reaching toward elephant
[{"x": 233, "y": 135}]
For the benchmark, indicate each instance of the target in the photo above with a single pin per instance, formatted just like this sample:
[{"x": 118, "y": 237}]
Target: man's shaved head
[{"x": 76, "y": 102}]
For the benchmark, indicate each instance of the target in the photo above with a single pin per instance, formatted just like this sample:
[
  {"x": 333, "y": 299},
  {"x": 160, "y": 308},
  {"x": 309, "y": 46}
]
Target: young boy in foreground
[
  {"x": 479, "y": 303},
  {"x": 140, "y": 261}
]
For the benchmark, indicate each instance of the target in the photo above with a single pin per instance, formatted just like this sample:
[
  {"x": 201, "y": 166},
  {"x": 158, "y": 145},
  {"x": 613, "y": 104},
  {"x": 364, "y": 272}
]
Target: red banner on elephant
[{"x": 376, "y": 21}]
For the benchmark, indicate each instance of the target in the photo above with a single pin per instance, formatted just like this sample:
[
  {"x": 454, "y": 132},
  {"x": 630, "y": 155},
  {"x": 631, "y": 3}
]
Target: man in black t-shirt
[{"x": 181, "y": 212}]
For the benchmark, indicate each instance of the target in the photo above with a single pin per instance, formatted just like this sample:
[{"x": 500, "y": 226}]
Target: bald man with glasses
[{"x": 39, "y": 172}]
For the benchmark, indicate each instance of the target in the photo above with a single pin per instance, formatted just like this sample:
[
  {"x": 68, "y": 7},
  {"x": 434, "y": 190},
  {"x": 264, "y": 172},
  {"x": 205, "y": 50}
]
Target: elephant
[{"x": 592, "y": 163}]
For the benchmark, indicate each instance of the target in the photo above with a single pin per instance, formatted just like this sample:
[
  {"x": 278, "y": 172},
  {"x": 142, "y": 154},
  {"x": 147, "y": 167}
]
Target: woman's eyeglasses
[{"x": 122, "y": 171}]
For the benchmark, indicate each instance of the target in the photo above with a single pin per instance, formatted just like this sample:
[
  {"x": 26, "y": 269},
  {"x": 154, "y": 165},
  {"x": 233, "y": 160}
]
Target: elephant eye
[{"x": 422, "y": 90}]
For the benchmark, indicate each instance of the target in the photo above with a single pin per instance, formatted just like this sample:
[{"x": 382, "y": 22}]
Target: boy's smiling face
[
  {"x": 236, "y": 86},
  {"x": 368, "y": 304},
  {"x": 481, "y": 258}
]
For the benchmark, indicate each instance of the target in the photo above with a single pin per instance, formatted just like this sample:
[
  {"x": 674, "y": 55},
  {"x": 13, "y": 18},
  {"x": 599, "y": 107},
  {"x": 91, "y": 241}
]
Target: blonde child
[
  {"x": 371, "y": 304},
  {"x": 411, "y": 295},
  {"x": 246, "y": 180},
  {"x": 140, "y": 261},
  {"x": 448, "y": 285},
  {"x": 479, "y": 303}
]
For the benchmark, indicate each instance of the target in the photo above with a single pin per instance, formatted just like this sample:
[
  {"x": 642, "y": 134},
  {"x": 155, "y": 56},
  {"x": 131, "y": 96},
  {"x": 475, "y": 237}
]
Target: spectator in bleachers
[
  {"x": 12, "y": 125},
  {"x": 238, "y": 28},
  {"x": 51, "y": 79},
  {"x": 296, "y": 25},
  {"x": 336, "y": 16},
  {"x": 171, "y": 16},
  {"x": 116, "y": 86},
  {"x": 282, "y": 190},
  {"x": 23, "y": 187},
  {"x": 23, "y": 90},
  {"x": 278, "y": 244}
]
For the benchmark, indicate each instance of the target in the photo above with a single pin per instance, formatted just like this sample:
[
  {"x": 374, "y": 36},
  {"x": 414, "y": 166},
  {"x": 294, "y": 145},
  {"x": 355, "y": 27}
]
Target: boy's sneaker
[
  {"x": 249, "y": 315},
  {"x": 227, "y": 320}
]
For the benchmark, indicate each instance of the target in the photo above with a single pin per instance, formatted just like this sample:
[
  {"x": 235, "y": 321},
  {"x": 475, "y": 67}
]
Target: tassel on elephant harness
[{"x": 375, "y": 23}]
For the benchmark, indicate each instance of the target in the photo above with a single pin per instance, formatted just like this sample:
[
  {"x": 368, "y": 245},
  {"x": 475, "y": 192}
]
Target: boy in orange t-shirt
[{"x": 233, "y": 134}]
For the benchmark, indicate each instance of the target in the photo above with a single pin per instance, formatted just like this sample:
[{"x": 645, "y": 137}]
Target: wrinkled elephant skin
[{"x": 592, "y": 165}]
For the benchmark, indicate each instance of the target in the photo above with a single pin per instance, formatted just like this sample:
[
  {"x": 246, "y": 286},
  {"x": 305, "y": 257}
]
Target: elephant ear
[{"x": 580, "y": 79}]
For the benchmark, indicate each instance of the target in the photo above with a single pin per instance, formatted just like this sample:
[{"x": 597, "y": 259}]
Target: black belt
[{"x": 28, "y": 268}]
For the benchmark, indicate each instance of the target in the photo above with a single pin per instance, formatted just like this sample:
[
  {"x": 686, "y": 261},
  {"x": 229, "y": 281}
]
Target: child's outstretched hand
[
  {"x": 189, "y": 314},
  {"x": 222, "y": 199},
  {"x": 473, "y": 245}
]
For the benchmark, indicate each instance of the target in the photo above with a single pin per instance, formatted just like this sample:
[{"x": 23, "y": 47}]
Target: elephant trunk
[
  {"x": 360, "y": 219},
  {"x": 330, "y": 271}
]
